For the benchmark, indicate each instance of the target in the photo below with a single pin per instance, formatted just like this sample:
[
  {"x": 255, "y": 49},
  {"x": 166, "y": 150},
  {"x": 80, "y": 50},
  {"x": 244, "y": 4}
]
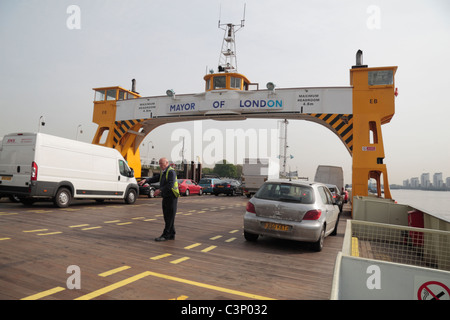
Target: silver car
[{"x": 295, "y": 210}]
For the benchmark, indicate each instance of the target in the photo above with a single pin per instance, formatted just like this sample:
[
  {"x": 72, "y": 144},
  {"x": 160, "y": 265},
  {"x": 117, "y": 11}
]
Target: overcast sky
[{"x": 48, "y": 69}]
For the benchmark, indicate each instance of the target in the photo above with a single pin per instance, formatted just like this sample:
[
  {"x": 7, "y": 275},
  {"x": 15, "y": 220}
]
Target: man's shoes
[{"x": 165, "y": 238}]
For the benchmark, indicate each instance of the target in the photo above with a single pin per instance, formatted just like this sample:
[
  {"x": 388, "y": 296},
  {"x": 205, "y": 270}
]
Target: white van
[{"x": 37, "y": 166}]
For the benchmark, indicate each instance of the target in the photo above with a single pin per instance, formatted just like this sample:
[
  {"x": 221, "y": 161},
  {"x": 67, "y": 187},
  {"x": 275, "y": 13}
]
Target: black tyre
[
  {"x": 131, "y": 197},
  {"x": 63, "y": 198},
  {"x": 318, "y": 245},
  {"x": 250, "y": 236}
]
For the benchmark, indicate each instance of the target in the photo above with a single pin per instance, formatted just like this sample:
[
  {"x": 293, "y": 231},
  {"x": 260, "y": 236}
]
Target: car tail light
[
  {"x": 312, "y": 215},
  {"x": 228, "y": 186},
  {"x": 34, "y": 171},
  {"x": 250, "y": 208}
]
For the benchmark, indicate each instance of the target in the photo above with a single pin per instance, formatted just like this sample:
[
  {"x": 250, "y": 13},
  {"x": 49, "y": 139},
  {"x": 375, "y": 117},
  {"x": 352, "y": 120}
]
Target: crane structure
[{"x": 355, "y": 113}]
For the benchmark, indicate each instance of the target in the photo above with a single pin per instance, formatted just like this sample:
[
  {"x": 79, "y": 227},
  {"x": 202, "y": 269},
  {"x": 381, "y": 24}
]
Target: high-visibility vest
[{"x": 175, "y": 190}]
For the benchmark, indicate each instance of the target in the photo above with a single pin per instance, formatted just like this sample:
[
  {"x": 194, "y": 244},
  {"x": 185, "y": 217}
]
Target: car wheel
[
  {"x": 250, "y": 236},
  {"x": 131, "y": 197},
  {"x": 187, "y": 192},
  {"x": 151, "y": 193},
  {"x": 62, "y": 198},
  {"x": 318, "y": 245},
  {"x": 200, "y": 192}
]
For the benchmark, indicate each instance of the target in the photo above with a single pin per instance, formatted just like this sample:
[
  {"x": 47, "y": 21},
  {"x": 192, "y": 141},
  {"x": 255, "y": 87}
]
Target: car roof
[{"x": 295, "y": 182}]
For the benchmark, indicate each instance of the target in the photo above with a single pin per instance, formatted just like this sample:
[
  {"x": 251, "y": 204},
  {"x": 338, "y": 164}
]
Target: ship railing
[{"x": 398, "y": 244}]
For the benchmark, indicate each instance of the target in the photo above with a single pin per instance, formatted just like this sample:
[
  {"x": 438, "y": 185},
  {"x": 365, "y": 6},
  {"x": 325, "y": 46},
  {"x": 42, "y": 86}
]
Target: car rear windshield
[{"x": 286, "y": 192}]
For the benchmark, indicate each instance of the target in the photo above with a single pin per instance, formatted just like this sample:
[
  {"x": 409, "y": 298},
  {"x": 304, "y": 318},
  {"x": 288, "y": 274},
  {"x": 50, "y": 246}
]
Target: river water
[{"x": 435, "y": 202}]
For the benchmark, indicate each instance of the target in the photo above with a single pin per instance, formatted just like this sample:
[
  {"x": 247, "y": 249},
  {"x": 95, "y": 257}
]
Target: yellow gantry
[{"x": 372, "y": 98}]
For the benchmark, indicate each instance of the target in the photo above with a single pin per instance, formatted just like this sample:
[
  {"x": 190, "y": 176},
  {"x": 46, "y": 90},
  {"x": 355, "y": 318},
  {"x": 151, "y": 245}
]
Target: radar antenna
[{"x": 227, "y": 58}]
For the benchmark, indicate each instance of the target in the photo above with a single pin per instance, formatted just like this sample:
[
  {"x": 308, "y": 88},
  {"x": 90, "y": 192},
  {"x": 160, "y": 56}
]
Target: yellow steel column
[{"x": 373, "y": 106}]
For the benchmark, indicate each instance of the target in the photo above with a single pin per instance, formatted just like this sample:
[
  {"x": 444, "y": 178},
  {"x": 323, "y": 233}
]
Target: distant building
[
  {"x": 415, "y": 182},
  {"x": 438, "y": 182},
  {"x": 425, "y": 180},
  {"x": 406, "y": 183}
]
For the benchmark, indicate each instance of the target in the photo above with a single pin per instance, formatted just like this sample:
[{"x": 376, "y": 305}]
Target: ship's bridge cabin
[
  {"x": 113, "y": 93},
  {"x": 227, "y": 81}
]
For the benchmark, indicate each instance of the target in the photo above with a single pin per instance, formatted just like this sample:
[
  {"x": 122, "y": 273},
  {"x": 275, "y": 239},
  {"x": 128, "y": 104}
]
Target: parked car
[
  {"x": 149, "y": 190},
  {"x": 337, "y": 196},
  {"x": 295, "y": 210},
  {"x": 208, "y": 184},
  {"x": 228, "y": 187},
  {"x": 188, "y": 186}
]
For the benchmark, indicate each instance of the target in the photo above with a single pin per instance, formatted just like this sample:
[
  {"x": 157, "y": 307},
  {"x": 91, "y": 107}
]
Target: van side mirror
[{"x": 131, "y": 173}]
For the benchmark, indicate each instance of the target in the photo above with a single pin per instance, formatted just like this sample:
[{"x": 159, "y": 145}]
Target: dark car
[
  {"x": 228, "y": 187},
  {"x": 337, "y": 196},
  {"x": 148, "y": 189}
]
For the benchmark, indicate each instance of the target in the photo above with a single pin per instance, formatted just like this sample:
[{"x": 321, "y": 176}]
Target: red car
[{"x": 188, "y": 186}]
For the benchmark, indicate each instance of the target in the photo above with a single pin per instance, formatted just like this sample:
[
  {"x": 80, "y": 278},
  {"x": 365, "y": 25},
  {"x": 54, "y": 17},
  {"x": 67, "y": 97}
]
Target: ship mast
[{"x": 227, "y": 58}]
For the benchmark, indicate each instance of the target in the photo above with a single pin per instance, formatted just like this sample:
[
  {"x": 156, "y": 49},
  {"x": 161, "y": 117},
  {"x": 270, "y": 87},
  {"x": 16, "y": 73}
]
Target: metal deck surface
[{"x": 112, "y": 245}]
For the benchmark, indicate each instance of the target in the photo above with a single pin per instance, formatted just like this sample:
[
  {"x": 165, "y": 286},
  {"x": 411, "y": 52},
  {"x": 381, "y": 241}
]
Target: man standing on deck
[{"x": 169, "y": 193}]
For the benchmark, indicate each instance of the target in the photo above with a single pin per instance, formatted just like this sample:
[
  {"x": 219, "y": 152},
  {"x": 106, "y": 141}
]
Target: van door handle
[{"x": 118, "y": 178}]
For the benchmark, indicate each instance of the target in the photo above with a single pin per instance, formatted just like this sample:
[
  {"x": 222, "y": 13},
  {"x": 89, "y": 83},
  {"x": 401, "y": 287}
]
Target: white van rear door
[{"x": 15, "y": 159}]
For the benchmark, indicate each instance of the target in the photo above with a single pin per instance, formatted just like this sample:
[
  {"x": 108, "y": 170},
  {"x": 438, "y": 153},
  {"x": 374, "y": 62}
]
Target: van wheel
[
  {"x": 62, "y": 198},
  {"x": 131, "y": 197}
]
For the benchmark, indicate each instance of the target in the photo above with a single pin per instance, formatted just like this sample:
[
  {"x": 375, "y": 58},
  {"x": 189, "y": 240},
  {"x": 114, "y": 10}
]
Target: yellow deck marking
[
  {"x": 44, "y": 293},
  {"x": 113, "y": 271},
  {"x": 90, "y": 228},
  {"x": 138, "y": 218},
  {"x": 233, "y": 231},
  {"x": 179, "y": 260},
  {"x": 112, "y": 221},
  {"x": 231, "y": 239},
  {"x": 124, "y": 223},
  {"x": 37, "y": 230},
  {"x": 161, "y": 256},
  {"x": 7, "y": 213},
  {"x": 180, "y": 298},
  {"x": 1, "y": 239},
  {"x": 49, "y": 233},
  {"x": 355, "y": 248},
  {"x": 208, "y": 286},
  {"x": 113, "y": 286},
  {"x": 79, "y": 226},
  {"x": 209, "y": 248},
  {"x": 149, "y": 219},
  {"x": 193, "y": 246},
  {"x": 215, "y": 238}
]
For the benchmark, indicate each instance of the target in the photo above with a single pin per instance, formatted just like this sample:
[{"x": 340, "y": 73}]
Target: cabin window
[
  {"x": 131, "y": 96},
  {"x": 235, "y": 83},
  {"x": 111, "y": 94},
  {"x": 99, "y": 95},
  {"x": 122, "y": 95},
  {"x": 220, "y": 82},
  {"x": 208, "y": 84}
]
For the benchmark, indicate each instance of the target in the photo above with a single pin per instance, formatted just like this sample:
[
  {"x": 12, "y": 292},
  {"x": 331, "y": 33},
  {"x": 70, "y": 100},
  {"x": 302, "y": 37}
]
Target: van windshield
[{"x": 286, "y": 192}]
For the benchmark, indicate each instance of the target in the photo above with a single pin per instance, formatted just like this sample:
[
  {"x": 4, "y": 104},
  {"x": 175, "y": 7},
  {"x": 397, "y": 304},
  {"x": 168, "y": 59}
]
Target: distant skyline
[{"x": 55, "y": 51}]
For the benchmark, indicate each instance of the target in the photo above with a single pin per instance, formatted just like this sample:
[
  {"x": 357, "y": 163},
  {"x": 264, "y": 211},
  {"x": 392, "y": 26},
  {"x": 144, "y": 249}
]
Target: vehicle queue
[{"x": 294, "y": 210}]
